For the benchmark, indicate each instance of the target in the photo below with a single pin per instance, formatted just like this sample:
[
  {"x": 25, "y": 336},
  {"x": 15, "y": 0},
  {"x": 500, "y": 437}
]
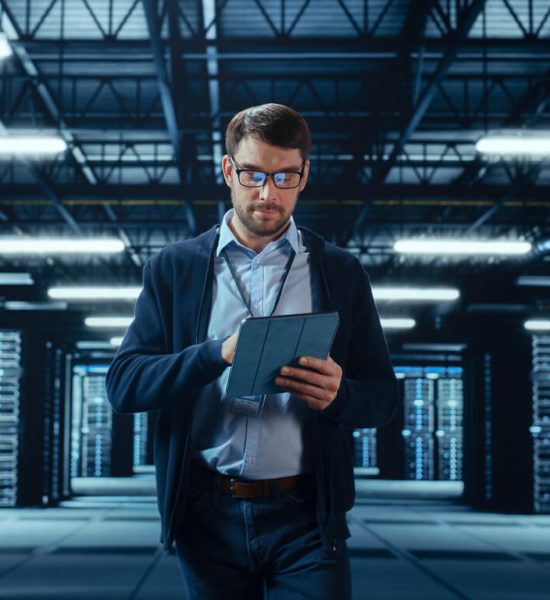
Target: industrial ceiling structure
[{"x": 396, "y": 92}]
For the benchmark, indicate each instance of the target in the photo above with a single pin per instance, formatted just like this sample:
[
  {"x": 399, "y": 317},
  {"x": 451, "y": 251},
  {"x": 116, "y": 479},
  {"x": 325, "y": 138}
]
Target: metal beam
[
  {"x": 466, "y": 21},
  {"x": 311, "y": 47},
  {"x": 513, "y": 191},
  {"x": 9, "y": 24},
  {"x": 47, "y": 189},
  {"x": 150, "y": 8},
  {"x": 525, "y": 113},
  {"x": 212, "y": 69}
]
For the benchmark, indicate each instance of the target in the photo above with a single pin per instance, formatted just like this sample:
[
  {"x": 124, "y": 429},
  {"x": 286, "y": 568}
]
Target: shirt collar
[{"x": 227, "y": 236}]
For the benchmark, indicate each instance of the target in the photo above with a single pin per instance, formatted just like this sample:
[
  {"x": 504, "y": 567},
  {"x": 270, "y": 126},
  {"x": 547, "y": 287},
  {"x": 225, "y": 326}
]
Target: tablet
[{"x": 265, "y": 344}]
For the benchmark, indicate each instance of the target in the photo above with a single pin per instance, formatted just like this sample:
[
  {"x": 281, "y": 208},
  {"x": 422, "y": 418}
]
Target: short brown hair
[{"x": 274, "y": 124}]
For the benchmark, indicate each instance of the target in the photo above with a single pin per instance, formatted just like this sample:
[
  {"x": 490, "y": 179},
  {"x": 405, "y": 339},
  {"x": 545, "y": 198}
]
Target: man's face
[{"x": 263, "y": 211}]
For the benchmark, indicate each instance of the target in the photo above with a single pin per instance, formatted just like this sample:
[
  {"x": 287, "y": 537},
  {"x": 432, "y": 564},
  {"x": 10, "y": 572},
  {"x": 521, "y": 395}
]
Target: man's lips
[{"x": 268, "y": 211}]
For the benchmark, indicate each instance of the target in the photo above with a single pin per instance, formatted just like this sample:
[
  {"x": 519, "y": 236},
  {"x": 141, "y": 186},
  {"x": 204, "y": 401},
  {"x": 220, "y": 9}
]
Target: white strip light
[
  {"x": 16, "y": 279},
  {"x": 462, "y": 247},
  {"x": 397, "y": 323},
  {"x": 31, "y": 145},
  {"x": 418, "y": 294},
  {"x": 534, "y": 280},
  {"x": 116, "y": 341},
  {"x": 5, "y": 48},
  {"x": 94, "y": 345},
  {"x": 108, "y": 322},
  {"x": 48, "y": 246},
  {"x": 514, "y": 145},
  {"x": 537, "y": 325},
  {"x": 94, "y": 293},
  {"x": 24, "y": 305}
]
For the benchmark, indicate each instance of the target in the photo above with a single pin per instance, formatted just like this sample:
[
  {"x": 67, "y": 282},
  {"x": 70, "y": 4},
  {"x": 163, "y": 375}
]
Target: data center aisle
[{"x": 105, "y": 547}]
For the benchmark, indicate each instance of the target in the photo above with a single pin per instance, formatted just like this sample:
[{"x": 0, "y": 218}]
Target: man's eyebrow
[{"x": 252, "y": 167}]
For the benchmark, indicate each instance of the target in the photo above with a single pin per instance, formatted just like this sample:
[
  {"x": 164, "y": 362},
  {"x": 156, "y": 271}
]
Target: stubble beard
[{"x": 257, "y": 228}]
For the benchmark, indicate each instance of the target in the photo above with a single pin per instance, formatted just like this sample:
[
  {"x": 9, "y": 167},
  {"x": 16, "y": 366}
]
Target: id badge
[{"x": 251, "y": 406}]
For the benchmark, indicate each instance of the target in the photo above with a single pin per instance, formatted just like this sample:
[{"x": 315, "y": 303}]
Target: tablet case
[{"x": 265, "y": 344}]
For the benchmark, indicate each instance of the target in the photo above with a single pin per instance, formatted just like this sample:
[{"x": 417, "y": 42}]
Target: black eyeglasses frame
[{"x": 240, "y": 170}]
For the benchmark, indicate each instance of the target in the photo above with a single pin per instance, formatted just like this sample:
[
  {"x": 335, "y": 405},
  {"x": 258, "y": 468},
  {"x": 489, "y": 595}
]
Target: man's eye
[
  {"x": 280, "y": 178},
  {"x": 256, "y": 176}
]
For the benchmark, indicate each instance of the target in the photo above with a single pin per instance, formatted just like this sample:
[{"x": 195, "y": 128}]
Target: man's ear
[
  {"x": 305, "y": 175},
  {"x": 227, "y": 168}
]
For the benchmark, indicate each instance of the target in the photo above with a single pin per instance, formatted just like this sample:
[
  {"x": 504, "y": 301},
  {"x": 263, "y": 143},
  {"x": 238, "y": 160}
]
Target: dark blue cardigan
[{"x": 164, "y": 360}]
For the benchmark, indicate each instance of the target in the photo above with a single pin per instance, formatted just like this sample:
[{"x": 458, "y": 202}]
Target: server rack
[
  {"x": 103, "y": 443},
  {"x": 432, "y": 422},
  {"x": 365, "y": 448},
  {"x": 540, "y": 429},
  {"x": 54, "y": 446},
  {"x": 498, "y": 464},
  {"x": 418, "y": 401},
  {"x": 450, "y": 432},
  {"x": 140, "y": 439},
  {"x": 97, "y": 423},
  {"x": 10, "y": 375}
]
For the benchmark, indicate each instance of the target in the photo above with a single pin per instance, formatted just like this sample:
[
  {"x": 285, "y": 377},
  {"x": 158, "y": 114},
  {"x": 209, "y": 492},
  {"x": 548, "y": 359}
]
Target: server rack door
[
  {"x": 540, "y": 429},
  {"x": 432, "y": 421},
  {"x": 10, "y": 375}
]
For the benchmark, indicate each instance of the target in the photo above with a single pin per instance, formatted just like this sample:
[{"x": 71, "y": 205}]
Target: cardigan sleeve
[
  {"x": 143, "y": 375},
  {"x": 368, "y": 393}
]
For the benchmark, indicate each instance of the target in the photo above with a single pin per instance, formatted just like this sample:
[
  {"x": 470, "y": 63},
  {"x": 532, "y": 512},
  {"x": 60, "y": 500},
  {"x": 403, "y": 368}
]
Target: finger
[
  {"x": 319, "y": 364},
  {"x": 304, "y": 375},
  {"x": 298, "y": 387}
]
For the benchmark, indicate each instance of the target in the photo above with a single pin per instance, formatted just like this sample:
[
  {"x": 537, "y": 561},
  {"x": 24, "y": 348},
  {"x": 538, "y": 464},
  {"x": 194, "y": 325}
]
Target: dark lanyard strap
[{"x": 246, "y": 302}]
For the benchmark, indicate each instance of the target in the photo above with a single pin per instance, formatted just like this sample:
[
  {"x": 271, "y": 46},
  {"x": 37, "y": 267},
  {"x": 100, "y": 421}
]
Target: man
[{"x": 254, "y": 494}]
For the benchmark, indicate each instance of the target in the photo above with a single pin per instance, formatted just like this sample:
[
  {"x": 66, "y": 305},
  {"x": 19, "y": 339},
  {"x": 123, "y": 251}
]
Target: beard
[{"x": 259, "y": 227}]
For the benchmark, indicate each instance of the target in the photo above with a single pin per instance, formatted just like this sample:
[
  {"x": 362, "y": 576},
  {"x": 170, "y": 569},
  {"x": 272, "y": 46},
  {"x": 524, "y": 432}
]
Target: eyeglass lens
[{"x": 257, "y": 179}]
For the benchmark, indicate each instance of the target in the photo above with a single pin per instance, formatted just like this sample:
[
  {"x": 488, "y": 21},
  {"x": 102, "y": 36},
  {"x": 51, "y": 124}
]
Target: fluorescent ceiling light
[
  {"x": 534, "y": 280},
  {"x": 94, "y": 293},
  {"x": 537, "y": 325},
  {"x": 31, "y": 145},
  {"x": 510, "y": 145},
  {"x": 462, "y": 247},
  {"x": 108, "y": 322},
  {"x": 419, "y": 294},
  {"x": 116, "y": 341},
  {"x": 16, "y": 279},
  {"x": 93, "y": 345},
  {"x": 401, "y": 323},
  {"x": 22, "y": 305},
  {"x": 5, "y": 48},
  {"x": 60, "y": 246}
]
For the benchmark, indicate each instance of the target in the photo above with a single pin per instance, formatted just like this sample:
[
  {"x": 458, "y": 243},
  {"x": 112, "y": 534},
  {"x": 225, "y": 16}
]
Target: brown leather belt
[{"x": 240, "y": 488}]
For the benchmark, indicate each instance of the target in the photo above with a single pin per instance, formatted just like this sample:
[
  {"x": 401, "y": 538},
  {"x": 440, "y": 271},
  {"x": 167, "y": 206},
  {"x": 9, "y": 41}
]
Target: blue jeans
[{"x": 258, "y": 549}]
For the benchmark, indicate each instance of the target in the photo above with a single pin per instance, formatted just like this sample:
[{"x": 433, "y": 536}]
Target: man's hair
[{"x": 274, "y": 124}]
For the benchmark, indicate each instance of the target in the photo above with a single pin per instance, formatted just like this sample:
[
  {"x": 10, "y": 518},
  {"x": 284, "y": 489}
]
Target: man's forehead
[{"x": 255, "y": 152}]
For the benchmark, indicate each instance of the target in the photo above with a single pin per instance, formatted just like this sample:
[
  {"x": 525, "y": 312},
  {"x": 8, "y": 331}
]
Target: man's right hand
[{"x": 228, "y": 348}]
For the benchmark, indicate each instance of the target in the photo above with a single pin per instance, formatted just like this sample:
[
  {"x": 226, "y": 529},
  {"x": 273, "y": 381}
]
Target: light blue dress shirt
[{"x": 278, "y": 441}]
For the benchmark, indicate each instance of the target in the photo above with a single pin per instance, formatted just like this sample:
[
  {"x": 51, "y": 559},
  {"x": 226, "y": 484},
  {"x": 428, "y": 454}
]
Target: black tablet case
[{"x": 265, "y": 344}]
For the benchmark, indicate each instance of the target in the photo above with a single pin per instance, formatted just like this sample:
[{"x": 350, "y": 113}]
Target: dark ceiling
[{"x": 396, "y": 92}]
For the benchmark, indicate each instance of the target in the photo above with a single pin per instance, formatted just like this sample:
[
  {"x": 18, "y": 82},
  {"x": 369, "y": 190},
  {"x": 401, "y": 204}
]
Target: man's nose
[{"x": 268, "y": 189}]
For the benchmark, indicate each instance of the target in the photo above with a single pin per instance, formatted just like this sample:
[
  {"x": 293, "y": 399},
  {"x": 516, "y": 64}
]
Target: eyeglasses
[{"x": 285, "y": 180}]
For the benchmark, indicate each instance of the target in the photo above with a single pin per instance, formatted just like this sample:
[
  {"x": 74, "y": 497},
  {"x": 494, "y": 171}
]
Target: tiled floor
[{"x": 407, "y": 543}]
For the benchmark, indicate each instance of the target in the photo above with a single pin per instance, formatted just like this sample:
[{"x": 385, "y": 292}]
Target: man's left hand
[{"x": 317, "y": 384}]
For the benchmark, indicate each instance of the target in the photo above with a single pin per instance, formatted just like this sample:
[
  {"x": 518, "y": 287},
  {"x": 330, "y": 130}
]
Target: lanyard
[{"x": 246, "y": 302}]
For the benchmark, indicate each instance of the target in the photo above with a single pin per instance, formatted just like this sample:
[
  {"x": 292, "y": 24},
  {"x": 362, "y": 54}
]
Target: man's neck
[{"x": 254, "y": 242}]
